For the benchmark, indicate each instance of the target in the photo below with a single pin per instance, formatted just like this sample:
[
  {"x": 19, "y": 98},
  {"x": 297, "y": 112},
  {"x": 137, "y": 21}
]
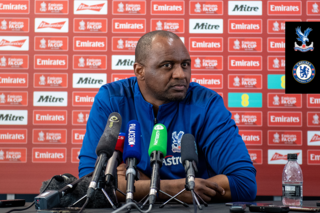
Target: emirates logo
[
  {"x": 18, "y": 43},
  {"x": 95, "y": 7},
  {"x": 315, "y": 138},
  {"x": 57, "y": 25}
]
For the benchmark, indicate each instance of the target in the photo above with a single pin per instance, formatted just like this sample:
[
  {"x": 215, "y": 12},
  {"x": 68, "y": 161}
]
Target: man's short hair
[{"x": 144, "y": 44}]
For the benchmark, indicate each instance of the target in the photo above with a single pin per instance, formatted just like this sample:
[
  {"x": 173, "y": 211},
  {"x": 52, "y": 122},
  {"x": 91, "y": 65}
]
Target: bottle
[{"x": 292, "y": 180}]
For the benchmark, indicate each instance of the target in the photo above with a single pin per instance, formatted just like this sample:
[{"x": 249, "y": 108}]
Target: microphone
[
  {"x": 157, "y": 151},
  {"x": 132, "y": 156},
  {"x": 115, "y": 161},
  {"x": 105, "y": 149},
  {"x": 189, "y": 158}
]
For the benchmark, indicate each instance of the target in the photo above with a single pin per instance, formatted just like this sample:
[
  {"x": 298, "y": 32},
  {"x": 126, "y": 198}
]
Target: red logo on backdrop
[
  {"x": 80, "y": 117},
  {"x": 13, "y": 155},
  {"x": 14, "y": 7},
  {"x": 255, "y": 155},
  {"x": 243, "y": 118},
  {"x": 51, "y": 62},
  {"x": 14, "y": 61},
  {"x": 205, "y": 44},
  {"x": 55, "y": 80},
  {"x": 50, "y": 117},
  {"x": 245, "y": 26},
  {"x": 167, "y": 7},
  {"x": 313, "y": 8},
  {"x": 205, "y": 8},
  {"x": 282, "y": 138},
  {"x": 277, "y": 26},
  {"x": 285, "y": 119},
  {"x": 313, "y": 100},
  {"x": 83, "y": 98},
  {"x": 210, "y": 81},
  {"x": 18, "y": 43},
  {"x": 251, "y": 137},
  {"x": 49, "y": 136},
  {"x": 89, "y": 25},
  {"x": 285, "y": 8},
  {"x": 124, "y": 43},
  {"x": 93, "y": 7},
  {"x": 117, "y": 77},
  {"x": 49, "y": 155},
  {"x": 75, "y": 152},
  {"x": 245, "y": 63},
  {"x": 276, "y": 63},
  {"x": 120, "y": 25},
  {"x": 313, "y": 119},
  {"x": 51, "y": 7},
  {"x": 13, "y": 136},
  {"x": 14, "y": 25},
  {"x": 90, "y": 62},
  {"x": 13, "y": 80},
  {"x": 278, "y": 156},
  {"x": 208, "y": 63},
  {"x": 244, "y": 81},
  {"x": 276, "y": 44},
  {"x": 313, "y": 157},
  {"x": 315, "y": 138},
  {"x": 77, "y": 136},
  {"x": 48, "y": 43},
  {"x": 280, "y": 100},
  {"x": 13, "y": 98},
  {"x": 89, "y": 43},
  {"x": 245, "y": 44},
  {"x": 172, "y": 25},
  {"x": 128, "y": 7},
  {"x": 56, "y": 25}
]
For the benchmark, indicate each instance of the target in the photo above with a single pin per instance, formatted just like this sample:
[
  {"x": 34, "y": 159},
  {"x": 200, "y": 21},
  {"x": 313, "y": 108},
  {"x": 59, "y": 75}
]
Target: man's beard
[{"x": 166, "y": 96}]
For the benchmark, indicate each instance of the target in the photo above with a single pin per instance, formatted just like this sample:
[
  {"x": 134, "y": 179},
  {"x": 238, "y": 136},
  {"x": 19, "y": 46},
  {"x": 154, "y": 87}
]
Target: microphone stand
[{"x": 189, "y": 186}]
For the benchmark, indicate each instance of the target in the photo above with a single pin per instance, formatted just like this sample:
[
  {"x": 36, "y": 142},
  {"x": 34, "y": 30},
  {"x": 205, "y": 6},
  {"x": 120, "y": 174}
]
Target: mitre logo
[
  {"x": 90, "y": 43},
  {"x": 123, "y": 62},
  {"x": 117, "y": 77},
  {"x": 277, "y": 26},
  {"x": 245, "y": 63},
  {"x": 50, "y": 61},
  {"x": 14, "y": 25},
  {"x": 276, "y": 156},
  {"x": 14, "y": 7},
  {"x": 207, "y": 7},
  {"x": 203, "y": 44},
  {"x": 255, "y": 155},
  {"x": 13, "y": 80},
  {"x": 247, "y": 118},
  {"x": 251, "y": 137},
  {"x": 172, "y": 25},
  {"x": 89, "y": 80},
  {"x": 50, "y": 98},
  {"x": 313, "y": 100},
  {"x": 128, "y": 25},
  {"x": 280, "y": 100},
  {"x": 54, "y": 25},
  {"x": 207, "y": 62},
  {"x": 77, "y": 136},
  {"x": 276, "y": 63},
  {"x": 245, "y": 26},
  {"x": 211, "y": 26},
  {"x": 120, "y": 7},
  {"x": 280, "y": 138},
  {"x": 49, "y": 136},
  {"x": 246, "y": 8},
  {"x": 13, "y": 136},
  {"x": 167, "y": 7},
  {"x": 276, "y": 44},
  {"x": 14, "y": 61},
  {"x": 80, "y": 117},
  {"x": 49, "y": 117},
  {"x": 14, "y": 43},
  {"x": 284, "y": 119},
  {"x": 210, "y": 81},
  {"x": 49, "y": 155},
  {"x": 51, "y": 7},
  {"x": 13, "y": 117},
  {"x": 124, "y": 43},
  {"x": 13, "y": 98},
  {"x": 245, "y": 44},
  {"x": 276, "y": 8},
  {"x": 13, "y": 155},
  {"x": 98, "y": 7},
  {"x": 83, "y": 98},
  {"x": 49, "y": 43},
  {"x": 245, "y": 81}
]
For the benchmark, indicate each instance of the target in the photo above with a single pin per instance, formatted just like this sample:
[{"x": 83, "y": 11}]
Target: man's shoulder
[
  {"x": 120, "y": 88},
  {"x": 200, "y": 95}
]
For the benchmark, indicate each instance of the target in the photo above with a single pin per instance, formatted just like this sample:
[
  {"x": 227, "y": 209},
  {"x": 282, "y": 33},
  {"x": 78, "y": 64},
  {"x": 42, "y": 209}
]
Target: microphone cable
[
  {"x": 134, "y": 204},
  {"x": 13, "y": 210}
]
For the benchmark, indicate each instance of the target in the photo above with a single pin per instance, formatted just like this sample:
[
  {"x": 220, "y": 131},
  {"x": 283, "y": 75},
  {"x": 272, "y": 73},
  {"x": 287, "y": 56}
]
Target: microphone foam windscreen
[
  {"x": 120, "y": 142},
  {"x": 132, "y": 144},
  {"x": 158, "y": 140},
  {"x": 109, "y": 138},
  {"x": 189, "y": 149}
]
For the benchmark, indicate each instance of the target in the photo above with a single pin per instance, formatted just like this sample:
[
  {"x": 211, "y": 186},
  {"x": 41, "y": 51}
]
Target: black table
[{"x": 172, "y": 208}]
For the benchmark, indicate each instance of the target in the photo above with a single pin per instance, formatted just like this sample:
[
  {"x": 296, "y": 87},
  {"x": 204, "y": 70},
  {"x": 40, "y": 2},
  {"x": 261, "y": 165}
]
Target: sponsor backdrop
[{"x": 55, "y": 54}]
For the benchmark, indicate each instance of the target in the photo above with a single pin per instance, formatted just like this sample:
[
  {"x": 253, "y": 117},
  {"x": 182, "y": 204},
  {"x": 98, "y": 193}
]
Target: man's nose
[{"x": 178, "y": 72}]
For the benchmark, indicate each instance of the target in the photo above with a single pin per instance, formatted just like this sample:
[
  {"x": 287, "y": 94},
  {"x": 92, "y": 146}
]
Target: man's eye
[
  {"x": 167, "y": 65},
  {"x": 185, "y": 64}
]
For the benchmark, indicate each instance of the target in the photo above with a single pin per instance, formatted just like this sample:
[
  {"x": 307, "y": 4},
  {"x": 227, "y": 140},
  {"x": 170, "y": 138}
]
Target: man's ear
[{"x": 139, "y": 71}]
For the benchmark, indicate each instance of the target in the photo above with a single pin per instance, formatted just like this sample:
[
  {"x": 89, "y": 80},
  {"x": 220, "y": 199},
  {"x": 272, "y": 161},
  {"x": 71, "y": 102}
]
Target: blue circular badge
[{"x": 303, "y": 72}]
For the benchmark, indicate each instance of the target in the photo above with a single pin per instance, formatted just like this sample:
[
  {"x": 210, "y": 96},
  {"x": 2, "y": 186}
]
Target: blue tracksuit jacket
[{"x": 202, "y": 113}]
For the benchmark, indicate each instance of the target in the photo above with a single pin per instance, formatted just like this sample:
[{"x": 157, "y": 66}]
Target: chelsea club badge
[{"x": 304, "y": 72}]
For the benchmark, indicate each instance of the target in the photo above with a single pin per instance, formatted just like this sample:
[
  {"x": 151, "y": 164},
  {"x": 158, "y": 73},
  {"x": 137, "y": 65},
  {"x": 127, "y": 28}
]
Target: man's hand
[{"x": 207, "y": 189}]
